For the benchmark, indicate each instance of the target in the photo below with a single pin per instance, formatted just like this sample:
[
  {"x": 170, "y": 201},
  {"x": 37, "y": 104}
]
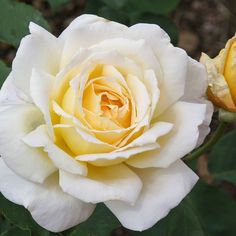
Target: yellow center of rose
[
  {"x": 97, "y": 103},
  {"x": 105, "y": 99}
]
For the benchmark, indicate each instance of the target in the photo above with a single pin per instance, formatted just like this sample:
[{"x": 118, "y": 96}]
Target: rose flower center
[{"x": 109, "y": 102}]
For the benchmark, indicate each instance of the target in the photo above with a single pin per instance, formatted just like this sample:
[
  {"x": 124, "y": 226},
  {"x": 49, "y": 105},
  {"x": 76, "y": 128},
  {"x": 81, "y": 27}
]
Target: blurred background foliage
[{"x": 196, "y": 26}]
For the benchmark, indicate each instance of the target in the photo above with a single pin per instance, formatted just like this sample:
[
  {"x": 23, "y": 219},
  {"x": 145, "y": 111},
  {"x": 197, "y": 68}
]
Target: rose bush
[
  {"x": 221, "y": 76},
  {"x": 103, "y": 113}
]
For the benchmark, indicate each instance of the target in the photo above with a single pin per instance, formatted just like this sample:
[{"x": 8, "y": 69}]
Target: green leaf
[
  {"x": 206, "y": 211},
  {"x": 20, "y": 217},
  {"x": 14, "y": 20},
  {"x": 222, "y": 159},
  {"x": 113, "y": 14},
  {"x": 4, "y": 71},
  {"x": 4, "y": 225},
  {"x": 151, "y": 6},
  {"x": 57, "y": 3},
  {"x": 215, "y": 208},
  {"x": 101, "y": 223},
  {"x": 93, "y": 6},
  {"x": 163, "y": 21},
  {"x": 16, "y": 232},
  {"x": 115, "y": 3}
]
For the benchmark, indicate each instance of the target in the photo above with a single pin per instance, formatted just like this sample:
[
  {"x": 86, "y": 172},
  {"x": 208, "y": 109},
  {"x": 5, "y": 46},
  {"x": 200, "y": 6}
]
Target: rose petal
[
  {"x": 204, "y": 128},
  {"x": 10, "y": 94},
  {"x": 85, "y": 31},
  {"x": 102, "y": 184},
  {"x": 40, "y": 89},
  {"x": 15, "y": 123},
  {"x": 129, "y": 48},
  {"x": 62, "y": 160},
  {"x": 84, "y": 137},
  {"x": 196, "y": 83},
  {"x": 163, "y": 189},
  {"x": 195, "y": 91},
  {"x": 183, "y": 138},
  {"x": 150, "y": 136},
  {"x": 150, "y": 80},
  {"x": 50, "y": 207},
  {"x": 112, "y": 158},
  {"x": 81, "y": 142},
  {"x": 144, "y": 143},
  {"x": 142, "y": 103},
  {"x": 39, "y": 50},
  {"x": 173, "y": 62}
]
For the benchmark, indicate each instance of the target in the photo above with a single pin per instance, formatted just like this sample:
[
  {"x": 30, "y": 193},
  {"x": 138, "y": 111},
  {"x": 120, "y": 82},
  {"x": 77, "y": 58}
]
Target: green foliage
[
  {"x": 151, "y": 6},
  {"x": 101, "y": 223},
  {"x": 141, "y": 6},
  {"x": 4, "y": 225},
  {"x": 14, "y": 21},
  {"x": 15, "y": 231},
  {"x": 222, "y": 160},
  {"x": 113, "y": 14},
  {"x": 4, "y": 71},
  {"x": 215, "y": 208},
  {"x": 57, "y": 3},
  {"x": 115, "y": 3}
]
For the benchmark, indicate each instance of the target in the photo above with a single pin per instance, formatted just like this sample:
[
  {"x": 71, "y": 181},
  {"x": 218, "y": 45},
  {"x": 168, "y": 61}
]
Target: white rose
[{"x": 103, "y": 113}]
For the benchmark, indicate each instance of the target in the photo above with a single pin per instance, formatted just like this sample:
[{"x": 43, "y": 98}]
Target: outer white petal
[
  {"x": 163, "y": 189},
  {"x": 116, "y": 182},
  {"x": 173, "y": 62},
  {"x": 49, "y": 205},
  {"x": 15, "y": 123},
  {"x": 195, "y": 91},
  {"x": 204, "y": 128},
  {"x": 39, "y": 138},
  {"x": 196, "y": 83},
  {"x": 10, "y": 94},
  {"x": 85, "y": 19},
  {"x": 40, "y": 89},
  {"x": 182, "y": 139},
  {"x": 85, "y": 31},
  {"x": 39, "y": 50},
  {"x": 145, "y": 57}
]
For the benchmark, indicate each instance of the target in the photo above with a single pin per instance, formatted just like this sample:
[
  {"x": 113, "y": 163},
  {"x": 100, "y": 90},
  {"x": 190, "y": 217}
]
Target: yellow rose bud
[{"x": 222, "y": 76}]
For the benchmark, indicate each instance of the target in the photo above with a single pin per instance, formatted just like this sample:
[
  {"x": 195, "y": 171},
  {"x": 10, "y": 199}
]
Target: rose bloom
[
  {"x": 103, "y": 113},
  {"x": 221, "y": 76}
]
